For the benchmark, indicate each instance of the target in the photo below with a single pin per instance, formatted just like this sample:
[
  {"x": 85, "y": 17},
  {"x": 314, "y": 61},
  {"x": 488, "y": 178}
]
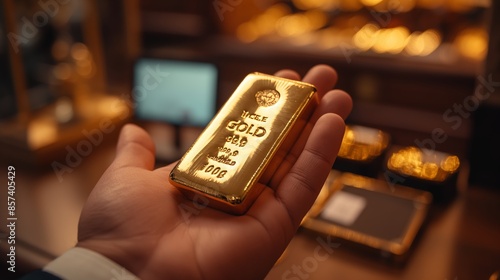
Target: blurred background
[{"x": 422, "y": 139}]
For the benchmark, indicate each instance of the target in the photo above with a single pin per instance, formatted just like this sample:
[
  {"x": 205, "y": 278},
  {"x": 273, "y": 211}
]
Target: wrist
[
  {"x": 81, "y": 263},
  {"x": 126, "y": 259}
]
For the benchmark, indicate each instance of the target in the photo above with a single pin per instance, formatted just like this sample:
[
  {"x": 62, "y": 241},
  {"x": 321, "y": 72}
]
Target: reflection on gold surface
[
  {"x": 362, "y": 143},
  {"x": 423, "y": 164},
  {"x": 239, "y": 144}
]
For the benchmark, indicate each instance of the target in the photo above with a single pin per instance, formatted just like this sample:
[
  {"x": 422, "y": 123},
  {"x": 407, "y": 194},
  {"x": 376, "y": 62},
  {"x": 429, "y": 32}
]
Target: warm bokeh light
[
  {"x": 300, "y": 23},
  {"x": 395, "y": 40},
  {"x": 316, "y": 4},
  {"x": 62, "y": 71},
  {"x": 312, "y": 25},
  {"x": 305, "y": 39},
  {"x": 263, "y": 24},
  {"x": 329, "y": 38},
  {"x": 110, "y": 107},
  {"x": 391, "y": 40},
  {"x": 366, "y": 37},
  {"x": 431, "y": 4},
  {"x": 422, "y": 44},
  {"x": 64, "y": 111},
  {"x": 41, "y": 132},
  {"x": 79, "y": 51},
  {"x": 292, "y": 25},
  {"x": 60, "y": 50},
  {"x": 423, "y": 164},
  {"x": 316, "y": 19},
  {"x": 332, "y": 37},
  {"x": 472, "y": 43},
  {"x": 402, "y": 6},
  {"x": 450, "y": 163},
  {"x": 371, "y": 2},
  {"x": 247, "y": 32},
  {"x": 460, "y": 5},
  {"x": 84, "y": 68},
  {"x": 350, "y": 6}
]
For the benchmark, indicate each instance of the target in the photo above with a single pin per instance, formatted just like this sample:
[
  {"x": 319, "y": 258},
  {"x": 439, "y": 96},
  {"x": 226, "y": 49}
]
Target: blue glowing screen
[{"x": 175, "y": 91}]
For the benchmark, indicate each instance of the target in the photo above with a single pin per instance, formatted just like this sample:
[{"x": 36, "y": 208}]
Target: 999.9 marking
[{"x": 227, "y": 151}]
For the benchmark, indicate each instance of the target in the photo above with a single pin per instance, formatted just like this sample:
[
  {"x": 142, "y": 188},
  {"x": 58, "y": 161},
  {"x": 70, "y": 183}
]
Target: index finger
[{"x": 322, "y": 76}]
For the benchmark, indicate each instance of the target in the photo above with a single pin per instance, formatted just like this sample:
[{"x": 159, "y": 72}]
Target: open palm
[{"x": 135, "y": 217}]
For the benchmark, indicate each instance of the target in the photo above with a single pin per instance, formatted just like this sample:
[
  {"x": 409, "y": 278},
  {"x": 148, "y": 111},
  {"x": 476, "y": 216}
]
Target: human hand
[{"x": 135, "y": 217}]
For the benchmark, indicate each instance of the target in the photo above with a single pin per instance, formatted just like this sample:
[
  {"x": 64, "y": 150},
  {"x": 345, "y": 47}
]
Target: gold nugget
[{"x": 245, "y": 142}]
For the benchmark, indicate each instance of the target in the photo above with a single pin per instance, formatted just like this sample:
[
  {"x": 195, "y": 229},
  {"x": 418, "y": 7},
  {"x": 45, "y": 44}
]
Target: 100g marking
[{"x": 215, "y": 171}]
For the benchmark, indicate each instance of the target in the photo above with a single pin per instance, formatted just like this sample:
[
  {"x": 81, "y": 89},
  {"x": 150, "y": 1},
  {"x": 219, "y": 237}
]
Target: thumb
[{"x": 135, "y": 148}]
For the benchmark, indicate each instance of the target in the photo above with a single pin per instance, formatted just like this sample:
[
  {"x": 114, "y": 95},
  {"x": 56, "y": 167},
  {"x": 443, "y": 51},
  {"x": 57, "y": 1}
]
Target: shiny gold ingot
[
  {"x": 362, "y": 143},
  {"x": 243, "y": 145},
  {"x": 437, "y": 166}
]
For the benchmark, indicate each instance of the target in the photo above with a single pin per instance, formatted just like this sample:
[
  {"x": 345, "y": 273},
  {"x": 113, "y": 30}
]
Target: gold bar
[
  {"x": 424, "y": 164},
  {"x": 261, "y": 119}
]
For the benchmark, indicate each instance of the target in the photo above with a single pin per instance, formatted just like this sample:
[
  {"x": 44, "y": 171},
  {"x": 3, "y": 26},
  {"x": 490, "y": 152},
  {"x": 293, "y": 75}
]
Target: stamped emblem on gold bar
[{"x": 237, "y": 152}]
